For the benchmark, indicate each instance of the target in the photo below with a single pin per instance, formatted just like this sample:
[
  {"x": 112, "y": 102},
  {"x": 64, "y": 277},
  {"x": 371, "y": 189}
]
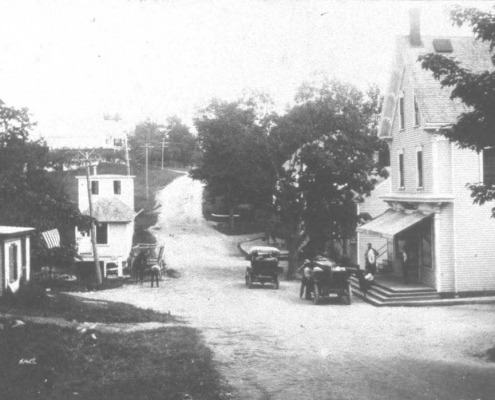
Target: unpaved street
[{"x": 271, "y": 345}]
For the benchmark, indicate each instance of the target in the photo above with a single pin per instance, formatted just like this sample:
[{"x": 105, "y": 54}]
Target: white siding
[
  {"x": 106, "y": 189},
  {"x": 474, "y": 228},
  {"x": 444, "y": 249}
]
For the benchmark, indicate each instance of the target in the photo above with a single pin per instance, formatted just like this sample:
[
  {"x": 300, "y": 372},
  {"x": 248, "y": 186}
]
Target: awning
[{"x": 391, "y": 222}]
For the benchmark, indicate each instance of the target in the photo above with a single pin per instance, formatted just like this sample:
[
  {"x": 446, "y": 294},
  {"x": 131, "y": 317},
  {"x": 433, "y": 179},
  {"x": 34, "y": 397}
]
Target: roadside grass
[
  {"x": 39, "y": 304},
  {"x": 49, "y": 362}
]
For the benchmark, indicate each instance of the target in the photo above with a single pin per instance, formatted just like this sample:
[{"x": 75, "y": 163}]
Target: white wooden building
[
  {"x": 113, "y": 208},
  {"x": 430, "y": 211},
  {"x": 15, "y": 256}
]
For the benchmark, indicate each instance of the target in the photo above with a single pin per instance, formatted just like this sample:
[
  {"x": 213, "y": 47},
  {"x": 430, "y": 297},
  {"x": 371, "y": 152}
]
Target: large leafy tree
[
  {"x": 147, "y": 133},
  {"x": 28, "y": 197},
  {"x": 235, "y": 161},
  {"x": 327, "y": 141},
  {"x": 475, "y": 129},
  {"x": 181, "y": 142}
]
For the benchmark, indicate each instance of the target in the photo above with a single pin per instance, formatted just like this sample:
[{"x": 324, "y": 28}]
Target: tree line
[{"x": 303, "y": 170}]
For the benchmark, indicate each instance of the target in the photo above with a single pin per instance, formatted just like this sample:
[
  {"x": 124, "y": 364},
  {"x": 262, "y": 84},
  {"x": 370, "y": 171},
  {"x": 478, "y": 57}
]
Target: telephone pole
[
  {"x": 127, "y": 161},
  {"x": 164, "y": 144},
  {"x": 86, "y": 158},
  {"x": 146, "y": 147}
]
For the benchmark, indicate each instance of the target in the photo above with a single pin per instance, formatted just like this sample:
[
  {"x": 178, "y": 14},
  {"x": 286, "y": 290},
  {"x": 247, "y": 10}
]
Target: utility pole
[
  {"x": 164, "y": 144},
  {"x": 87, "y": 160},
  {"x": 127, "y": 161},
  {"x": 146, "y": 147}
]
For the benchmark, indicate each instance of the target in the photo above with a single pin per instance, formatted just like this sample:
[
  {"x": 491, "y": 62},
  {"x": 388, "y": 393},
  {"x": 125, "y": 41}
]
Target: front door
[{"x": 417, "y": 242}]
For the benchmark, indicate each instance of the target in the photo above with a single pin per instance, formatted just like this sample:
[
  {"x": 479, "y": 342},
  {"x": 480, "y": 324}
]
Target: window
[
  {"x": 117, "y": 142},
  {"x": 102, "y": 233},
  {"x": 402, "y": 120},
  {"x": 13, "y": 267},
  {"x": 401, "y": 169},
  {"x": 419, "y": 167},
  {"x": 417, "y": 119},
  {"x": 94, "y": 187},
  {"x": 117, "y": 187},
  {"x": 489, "y": 166}
]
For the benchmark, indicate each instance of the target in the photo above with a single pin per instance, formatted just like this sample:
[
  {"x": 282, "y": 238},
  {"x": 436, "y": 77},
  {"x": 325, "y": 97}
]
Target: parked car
[{"x": 264, "y": 266}]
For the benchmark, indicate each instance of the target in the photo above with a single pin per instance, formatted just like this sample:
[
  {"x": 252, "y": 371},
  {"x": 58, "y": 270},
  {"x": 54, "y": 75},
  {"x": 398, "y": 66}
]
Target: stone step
[
  {"x": 382, "y": 291},
  {"x": 380, "y": 295}
]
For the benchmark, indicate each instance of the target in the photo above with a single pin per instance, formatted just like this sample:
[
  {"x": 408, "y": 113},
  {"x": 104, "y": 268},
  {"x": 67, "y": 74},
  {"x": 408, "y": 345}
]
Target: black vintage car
[
  {"x": 264, "y": 266},
  {"x": 328, "y": 278}
]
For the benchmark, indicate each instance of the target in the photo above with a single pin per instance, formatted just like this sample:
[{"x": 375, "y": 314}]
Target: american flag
[{"x": 51, "y": 238}]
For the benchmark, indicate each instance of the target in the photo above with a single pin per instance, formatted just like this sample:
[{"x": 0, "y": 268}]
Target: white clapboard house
[
  {"x": 429, "y": 211},
  {"x": 113, "y": 208}
]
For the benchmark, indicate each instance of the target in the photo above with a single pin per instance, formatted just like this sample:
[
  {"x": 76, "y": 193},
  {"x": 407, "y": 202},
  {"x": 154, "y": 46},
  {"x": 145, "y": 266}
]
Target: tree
[
  {"x": 147, "y": 133},
  {"x": 27, "y": 196},
  {"x": 235, "y": 161},
  {"x": 330, "y": 135},
  {"x": 474, "y": 129},
  {"x": 181, "y": 142}
]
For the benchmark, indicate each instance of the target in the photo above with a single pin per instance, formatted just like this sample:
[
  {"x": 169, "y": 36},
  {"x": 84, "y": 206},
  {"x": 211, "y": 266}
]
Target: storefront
[{"x": 409, "y": 234}]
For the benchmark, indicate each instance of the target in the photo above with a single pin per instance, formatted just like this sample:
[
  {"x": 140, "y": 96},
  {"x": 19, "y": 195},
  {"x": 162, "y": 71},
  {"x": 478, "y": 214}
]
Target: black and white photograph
[{"x": 247, "y": 200}]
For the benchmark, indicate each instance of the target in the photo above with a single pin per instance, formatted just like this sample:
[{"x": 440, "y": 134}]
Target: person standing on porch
[{"x": 370, "y": 257}]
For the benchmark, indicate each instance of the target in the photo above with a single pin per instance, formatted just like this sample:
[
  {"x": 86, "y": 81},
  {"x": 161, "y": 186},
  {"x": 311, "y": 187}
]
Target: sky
[{"x": 70, "y": 62}]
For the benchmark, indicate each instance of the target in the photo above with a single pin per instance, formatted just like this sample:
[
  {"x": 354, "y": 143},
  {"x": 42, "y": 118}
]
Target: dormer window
[
  {"x": 402, "y": 119},
  {"x": 417, "y": 119}
]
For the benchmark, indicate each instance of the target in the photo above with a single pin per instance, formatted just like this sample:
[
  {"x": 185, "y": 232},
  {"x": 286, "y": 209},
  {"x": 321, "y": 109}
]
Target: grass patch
[
  {"x": 79, "y": 285},
  {"x": 59, "y": 364},
  {"x": 73, "y": 308}
]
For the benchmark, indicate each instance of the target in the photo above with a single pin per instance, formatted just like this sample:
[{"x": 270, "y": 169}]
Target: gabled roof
[
  {"x": 434, "y": 103},
  {"x": 111, "y": 210}
]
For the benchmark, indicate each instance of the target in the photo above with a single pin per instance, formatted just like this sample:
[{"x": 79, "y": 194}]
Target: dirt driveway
[{"x": 271, "y": 345}]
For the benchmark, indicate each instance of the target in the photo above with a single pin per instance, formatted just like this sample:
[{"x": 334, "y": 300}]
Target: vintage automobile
[
  {"x": 264, "y": 266},
  {"x": 329, "y": 278}
]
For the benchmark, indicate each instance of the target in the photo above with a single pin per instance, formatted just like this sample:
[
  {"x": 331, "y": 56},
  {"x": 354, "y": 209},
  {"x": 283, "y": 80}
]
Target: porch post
[
  {"x": 27, "y": 256},
  {"x": 436, "y": 249}
]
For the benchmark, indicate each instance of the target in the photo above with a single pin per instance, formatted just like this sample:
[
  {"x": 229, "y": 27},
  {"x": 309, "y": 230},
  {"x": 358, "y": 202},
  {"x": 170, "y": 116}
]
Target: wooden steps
[{"x": 381, "y": 294}]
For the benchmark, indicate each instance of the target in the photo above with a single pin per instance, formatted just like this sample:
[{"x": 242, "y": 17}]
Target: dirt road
[{"x": 271, "y": 345}]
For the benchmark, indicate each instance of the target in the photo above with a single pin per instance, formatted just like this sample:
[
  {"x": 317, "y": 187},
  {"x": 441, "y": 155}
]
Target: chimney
[
  {"x": 94, "y": 172},
  {"x": 414, "y": 26}
]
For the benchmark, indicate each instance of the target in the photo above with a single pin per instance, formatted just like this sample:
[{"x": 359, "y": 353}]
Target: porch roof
[
  {"x": 391, "y": 222},
  {"x": 9, "y": 231}
]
